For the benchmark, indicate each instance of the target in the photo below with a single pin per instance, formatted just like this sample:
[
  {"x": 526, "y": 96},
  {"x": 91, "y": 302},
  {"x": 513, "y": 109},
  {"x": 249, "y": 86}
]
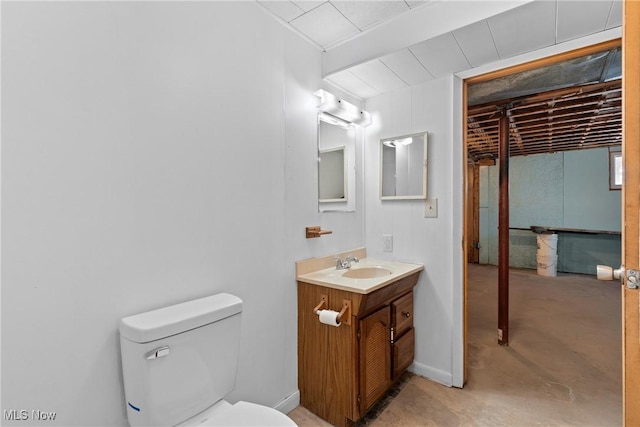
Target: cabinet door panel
[
  {"x": 375, "y": 356},
  {"x": 403, "y": 352}
]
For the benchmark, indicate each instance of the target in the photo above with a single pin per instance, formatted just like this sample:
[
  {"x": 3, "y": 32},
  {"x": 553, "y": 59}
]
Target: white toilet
[{"x": 179, "y": 363}]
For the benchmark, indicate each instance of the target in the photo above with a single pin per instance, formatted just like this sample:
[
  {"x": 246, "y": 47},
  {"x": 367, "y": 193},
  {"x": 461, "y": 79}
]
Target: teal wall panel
[
  {"x": 588, "y": 202},
  {"x": 564, "y": 190},
  {"x": 580, "y": 253},
  {"x": 536, "y": 190}
]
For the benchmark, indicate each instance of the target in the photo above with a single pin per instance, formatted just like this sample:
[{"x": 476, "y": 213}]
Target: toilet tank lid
[{"x": 163, "y": 322}]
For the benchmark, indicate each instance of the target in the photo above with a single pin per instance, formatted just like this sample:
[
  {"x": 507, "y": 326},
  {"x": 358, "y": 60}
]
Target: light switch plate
[{"x": 431, "y": 208}]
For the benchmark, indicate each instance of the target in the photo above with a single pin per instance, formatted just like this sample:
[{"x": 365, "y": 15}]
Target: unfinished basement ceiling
[{"x": 572, "y": 105}]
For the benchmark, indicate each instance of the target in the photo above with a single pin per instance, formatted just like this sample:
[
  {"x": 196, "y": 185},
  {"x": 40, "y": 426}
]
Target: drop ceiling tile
[
  {"x": 378, "y": 76},
  {"x": 476, "y": 43},
  {"x": 615, "y": 16},
  {"x": 284, "y": 9},
  {"x": 441, "y": 55},
  {"x": 581, "y": 18},
  {"x": 348, "y": 81},
  {"x": 307, "y": 5},
  {"x": 364, "y": 14},
  {"x": 524, "y": 29},
  {"x": 407, "y": 67},
  {"x": 325, "y": 25}
]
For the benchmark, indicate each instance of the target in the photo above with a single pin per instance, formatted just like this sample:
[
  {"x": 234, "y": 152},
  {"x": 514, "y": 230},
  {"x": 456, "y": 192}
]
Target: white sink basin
[
  {"x": 363, "y": 277},
  {"x": 367, "y": 272}
]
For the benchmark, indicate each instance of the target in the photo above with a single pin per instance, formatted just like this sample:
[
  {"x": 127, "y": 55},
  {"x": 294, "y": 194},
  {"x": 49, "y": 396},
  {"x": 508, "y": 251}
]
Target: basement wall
[{"x": 562, "y": 190}]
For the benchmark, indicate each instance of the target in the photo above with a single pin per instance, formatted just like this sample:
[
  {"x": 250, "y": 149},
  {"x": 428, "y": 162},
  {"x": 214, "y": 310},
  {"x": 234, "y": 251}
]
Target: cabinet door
[{"x": 375, "y": 357}]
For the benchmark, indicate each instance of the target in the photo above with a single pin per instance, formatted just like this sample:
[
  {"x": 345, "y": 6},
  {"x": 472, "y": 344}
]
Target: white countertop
[{"x": 333, "y": 278}]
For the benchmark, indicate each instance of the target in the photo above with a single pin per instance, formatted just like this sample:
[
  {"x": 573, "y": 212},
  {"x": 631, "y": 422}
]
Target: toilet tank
[{"x": 179, "y": 360}]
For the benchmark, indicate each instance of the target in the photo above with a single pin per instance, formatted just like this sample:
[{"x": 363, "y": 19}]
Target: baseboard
[
  {"x": 289, "y": 403},
  {"x": 442, "y": 377}
]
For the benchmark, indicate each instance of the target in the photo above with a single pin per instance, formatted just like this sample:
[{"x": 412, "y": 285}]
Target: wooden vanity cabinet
[{"x": 344, "y": 370}]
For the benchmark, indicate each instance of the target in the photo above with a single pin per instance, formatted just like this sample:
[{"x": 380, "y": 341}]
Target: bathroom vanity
[{"x": 343, "y": 370}]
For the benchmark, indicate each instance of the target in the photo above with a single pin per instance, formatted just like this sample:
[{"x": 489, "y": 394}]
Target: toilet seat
[{"x": 240, "y": 414}]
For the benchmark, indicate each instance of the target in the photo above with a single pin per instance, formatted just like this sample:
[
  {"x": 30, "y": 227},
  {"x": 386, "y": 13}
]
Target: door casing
[{"x": 631, "y": 210}]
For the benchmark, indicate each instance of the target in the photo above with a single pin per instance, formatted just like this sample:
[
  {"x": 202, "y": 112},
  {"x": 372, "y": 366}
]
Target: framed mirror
[
  {"x": 336, "y": 165},
  {"x": 403, "y": 167}
]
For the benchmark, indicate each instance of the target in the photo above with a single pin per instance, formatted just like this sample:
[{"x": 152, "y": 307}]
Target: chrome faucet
[{"x": 342, "y": 264}]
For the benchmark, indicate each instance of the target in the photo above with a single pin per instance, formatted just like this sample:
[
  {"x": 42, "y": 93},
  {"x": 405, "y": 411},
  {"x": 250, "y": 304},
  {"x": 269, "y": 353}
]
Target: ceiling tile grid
[
  {"x": 441, "y": 55},
  {"x": 331, "y": 22},
  {"x": 286, "y": 10},
  {"x": 346, "y": 79},
  {"x": 379, "y": 76},
  {"x": 476, "y": 41},
  {"x": 532, "y": 26},
  {"x": 305, "y": 5},
  {"x": 324, "y": 25},
  {"x": 366, "y": 14},
  {"x": 407, "y": 67},
  {"x": 525, "y": 29},
  {"x": 578, "y": 19},
  {"x": 615, "y": 15}
]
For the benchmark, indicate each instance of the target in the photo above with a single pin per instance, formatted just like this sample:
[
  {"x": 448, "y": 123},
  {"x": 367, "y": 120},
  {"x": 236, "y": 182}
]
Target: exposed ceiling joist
[{"x": 576, "y": 118}]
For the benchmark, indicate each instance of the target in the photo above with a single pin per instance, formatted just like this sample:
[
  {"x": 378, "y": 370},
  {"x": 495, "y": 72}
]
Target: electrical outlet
[
  {"x": 387, "y": 243},
  {"x": 431, "y": 208}
]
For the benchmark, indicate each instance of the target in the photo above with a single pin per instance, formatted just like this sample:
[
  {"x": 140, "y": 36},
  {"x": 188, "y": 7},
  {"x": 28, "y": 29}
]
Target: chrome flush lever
[{"x": 158, "y": 352}]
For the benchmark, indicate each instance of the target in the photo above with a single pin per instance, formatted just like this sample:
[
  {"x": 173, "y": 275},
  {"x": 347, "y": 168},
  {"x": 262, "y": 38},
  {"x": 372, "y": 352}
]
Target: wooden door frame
[
  {"x": 528, "y": 65},
  {"x": 630, "y": 211}
]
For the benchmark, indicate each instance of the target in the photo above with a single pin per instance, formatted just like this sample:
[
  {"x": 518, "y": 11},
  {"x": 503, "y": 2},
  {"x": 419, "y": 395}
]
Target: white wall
[
  {"x": 435, "y": 242},
  {"x": 151, "y": 153}
]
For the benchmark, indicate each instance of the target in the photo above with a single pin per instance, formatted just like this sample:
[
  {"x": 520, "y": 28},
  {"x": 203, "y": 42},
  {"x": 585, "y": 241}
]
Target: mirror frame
[{"x": 423, "y": 195}]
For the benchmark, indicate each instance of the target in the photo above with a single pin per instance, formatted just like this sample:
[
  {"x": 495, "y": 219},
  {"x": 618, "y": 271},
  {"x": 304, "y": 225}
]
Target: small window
[{"x": 615, "y": 170}]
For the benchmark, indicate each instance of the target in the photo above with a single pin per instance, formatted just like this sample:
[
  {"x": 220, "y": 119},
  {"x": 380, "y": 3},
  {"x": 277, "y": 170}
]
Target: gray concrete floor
[{"x": 562, "y": 366}]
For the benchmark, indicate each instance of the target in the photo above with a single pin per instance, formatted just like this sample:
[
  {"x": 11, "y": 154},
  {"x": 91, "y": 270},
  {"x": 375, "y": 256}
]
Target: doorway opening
[{"x": 560, "y": 119}]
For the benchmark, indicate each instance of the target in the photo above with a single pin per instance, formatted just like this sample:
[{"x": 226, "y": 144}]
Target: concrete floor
[{"x": 562, "y": 366}]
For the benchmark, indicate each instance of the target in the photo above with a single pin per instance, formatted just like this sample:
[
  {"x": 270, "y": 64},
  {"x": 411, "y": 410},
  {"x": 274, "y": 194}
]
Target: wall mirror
[
  {"x": 336, "y": 165},
  {"x": 403, "y": 167}
]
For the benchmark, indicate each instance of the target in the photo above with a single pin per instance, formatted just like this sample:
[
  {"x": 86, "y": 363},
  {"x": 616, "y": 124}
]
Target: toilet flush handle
[{"x": 158, "y": 352}]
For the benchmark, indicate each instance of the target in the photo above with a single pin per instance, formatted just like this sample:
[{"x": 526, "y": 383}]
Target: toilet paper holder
[{"x": 344, "y": 316}]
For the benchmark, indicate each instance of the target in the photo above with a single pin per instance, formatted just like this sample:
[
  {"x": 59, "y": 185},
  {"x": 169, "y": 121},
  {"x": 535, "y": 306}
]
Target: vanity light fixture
[{"x": 330, "y": 104}]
